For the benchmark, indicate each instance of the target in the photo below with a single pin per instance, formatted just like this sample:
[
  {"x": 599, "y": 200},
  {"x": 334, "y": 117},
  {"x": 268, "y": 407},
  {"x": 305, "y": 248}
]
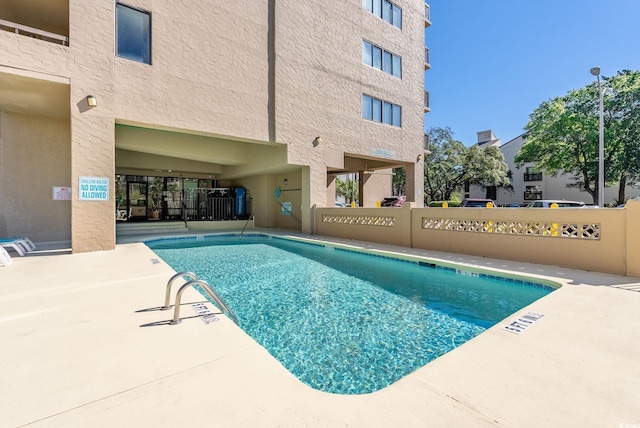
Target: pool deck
[{"x": 84, "y": 344}]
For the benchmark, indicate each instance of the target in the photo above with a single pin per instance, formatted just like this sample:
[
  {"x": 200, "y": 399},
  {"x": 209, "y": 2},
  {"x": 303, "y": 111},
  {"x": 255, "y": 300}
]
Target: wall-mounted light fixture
[
  {"x": 317, "y": 141},
  {"x": 286, "y": 182},
  {"x": 418, "y": 158},
  {"x": 92, "y": 101}
]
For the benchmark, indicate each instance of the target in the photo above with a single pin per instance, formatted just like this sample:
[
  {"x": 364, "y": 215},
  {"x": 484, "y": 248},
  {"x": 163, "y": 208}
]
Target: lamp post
[{"x": 596, "y": 72}]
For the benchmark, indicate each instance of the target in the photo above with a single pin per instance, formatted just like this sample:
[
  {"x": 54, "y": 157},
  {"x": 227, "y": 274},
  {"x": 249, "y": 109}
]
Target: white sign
[
  {"x": 61, "y": 193},
  {"x": 93, "y": 189},
  {"x": 383, "y": 153},
  {"x": 286, "y": 208}
]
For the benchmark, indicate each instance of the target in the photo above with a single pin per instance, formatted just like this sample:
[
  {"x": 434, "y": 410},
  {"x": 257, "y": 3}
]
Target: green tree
[
  {"x": 399, "y": 181},
  {"x": 625, "y": 128},
  {"x": 563, "y": 135},
  {"x": 451, "y": 164},
  {"x": 348, "y": 189}
]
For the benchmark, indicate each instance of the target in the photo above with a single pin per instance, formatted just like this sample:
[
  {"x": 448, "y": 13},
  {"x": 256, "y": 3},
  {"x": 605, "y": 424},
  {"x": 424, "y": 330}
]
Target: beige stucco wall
[
  {"x": 633, "y": 238},
  {"x": 208, "y": 71},
  {"x": 604, "y": 255},
  {"x": 320, "y": 79},
  {"x": 382, "y": 225},
  {"x": 35, "y": 156},
  {"x": 258, "y": 80},
  {"x": 208, "y": 75},
  {"x": 617, "y": 251}
]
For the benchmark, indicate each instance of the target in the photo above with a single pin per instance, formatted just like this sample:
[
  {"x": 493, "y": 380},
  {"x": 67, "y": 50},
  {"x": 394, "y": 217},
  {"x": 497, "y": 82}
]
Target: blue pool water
[{"x": 341, "y": 321}]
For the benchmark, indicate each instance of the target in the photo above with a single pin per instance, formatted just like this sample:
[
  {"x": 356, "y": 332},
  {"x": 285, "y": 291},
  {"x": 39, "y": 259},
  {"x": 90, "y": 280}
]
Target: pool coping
[{"x": 128, "y": 368}]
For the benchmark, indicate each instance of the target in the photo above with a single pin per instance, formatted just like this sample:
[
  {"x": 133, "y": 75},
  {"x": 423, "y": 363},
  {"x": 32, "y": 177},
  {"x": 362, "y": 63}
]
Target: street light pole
[{"x": 596, "y": 72}]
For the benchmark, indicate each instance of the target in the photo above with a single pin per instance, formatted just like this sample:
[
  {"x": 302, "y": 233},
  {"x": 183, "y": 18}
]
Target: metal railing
[
  {"x": 536, "y": 176},
  {"x": 193, "y": 281},
  {"x": 532, "y": 196},
  {"x": 427, "y": 15},
  {"x": 247, "y": 223},
  {"x": 33, "y": 32},
  {"x": 427, "y": 63},
  {"x": 426, "y": 101}
]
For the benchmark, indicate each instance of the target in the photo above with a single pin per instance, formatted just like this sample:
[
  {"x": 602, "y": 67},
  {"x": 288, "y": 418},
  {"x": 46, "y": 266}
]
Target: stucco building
[
  {"x": 530, "y": 184},
  {"x": 115, "y": 109}
]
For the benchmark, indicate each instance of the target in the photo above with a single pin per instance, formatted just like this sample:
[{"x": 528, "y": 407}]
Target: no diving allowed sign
[
  {"x": 205, "y": 313},
  {"x": 523, "y": 322}
]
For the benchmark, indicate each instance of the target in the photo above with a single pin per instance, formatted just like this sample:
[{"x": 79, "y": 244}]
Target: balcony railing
[
  {"x": 536, "y": 176},
  {"x": 33, "y": 32},
  {"x": 426, "y": 101},
  {"x": 427, "y": 15},
  {"x": 427, "y": 63},
  {"x": 532, "y": 196},
  {"x": 425, "y": 144}
]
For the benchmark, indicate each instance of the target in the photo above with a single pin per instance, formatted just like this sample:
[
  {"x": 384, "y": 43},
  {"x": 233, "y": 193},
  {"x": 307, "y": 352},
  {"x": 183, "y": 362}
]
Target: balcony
[
  {"x": 427, "y": 15},
  {"x": 536, "y": 176},
  {"x": 427, "y": 63},
  {"x": 33, "y": 32},
  {"x": 532, "y": 196},
  {"x": 426, "y": 102},
  {"x": 43, "y": 20},
  {"x": 425, "y": 144}
]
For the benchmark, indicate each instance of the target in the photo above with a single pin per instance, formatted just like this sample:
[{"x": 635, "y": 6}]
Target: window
[
  {"x": 377, "y": 110},
  {"x": 366, "y": 107},
  {"x": 377, "y": 8},
  {"x": 384, "y": 10},
  {"x": 367, "y": 53},
  {"x": 381, "y": 111},
  {"x": 386, "y": 114},
  {"x": 377, "y": 57},
  {"x": 532, "y": 174},
  {"x": 382, "y": 60},
  {"x": 387, "y": 64},
  {"x": 133, "y": 34},
  {"x": 396, "y": 119},
  {"x": 397, "y": 66},
  {"x": 532, "y": 193}
]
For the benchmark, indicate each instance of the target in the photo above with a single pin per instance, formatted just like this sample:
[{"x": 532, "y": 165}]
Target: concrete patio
[{"x": 84, "y": 344}]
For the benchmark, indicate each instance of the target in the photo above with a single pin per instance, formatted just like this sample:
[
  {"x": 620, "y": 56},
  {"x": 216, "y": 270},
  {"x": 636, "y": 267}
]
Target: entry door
[
  {"x": 137, "y": 195},
  {"x": 173, "y": 198}
]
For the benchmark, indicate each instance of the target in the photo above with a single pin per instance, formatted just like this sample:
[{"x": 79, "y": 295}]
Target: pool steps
[{"x": 193, "y": 280}]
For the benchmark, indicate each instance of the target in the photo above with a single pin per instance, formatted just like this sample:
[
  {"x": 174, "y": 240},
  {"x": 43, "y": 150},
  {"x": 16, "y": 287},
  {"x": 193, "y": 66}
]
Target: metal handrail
[
  {"x": 167, "y": 294},
  {"x": 30, "y": 30},
  {"x": 205, "y": 285},
  {"x": 247, "y": 223}
]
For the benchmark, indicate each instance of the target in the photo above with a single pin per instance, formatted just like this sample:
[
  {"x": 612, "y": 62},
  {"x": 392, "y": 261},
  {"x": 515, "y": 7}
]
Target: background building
[
  {"x": 530, "y": 184},
  {"x": 152, "y": 106}
]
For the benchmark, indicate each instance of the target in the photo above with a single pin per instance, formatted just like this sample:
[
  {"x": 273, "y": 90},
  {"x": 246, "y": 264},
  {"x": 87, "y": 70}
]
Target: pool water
[{"x": 342, "y": 321}]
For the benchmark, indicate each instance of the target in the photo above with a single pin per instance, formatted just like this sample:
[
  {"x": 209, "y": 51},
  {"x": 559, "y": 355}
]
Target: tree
[
  {"x": 451, "y": 164},
  {"x": 399, "y": 181},
  {"x": 625, "y": 127},
  {"x": 563, "y": 135},
  {"x": 348, "y": 189}
]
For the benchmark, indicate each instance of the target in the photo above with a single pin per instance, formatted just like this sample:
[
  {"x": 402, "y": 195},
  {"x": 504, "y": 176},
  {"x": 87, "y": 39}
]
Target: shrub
[{"x": 436, "y": 204}]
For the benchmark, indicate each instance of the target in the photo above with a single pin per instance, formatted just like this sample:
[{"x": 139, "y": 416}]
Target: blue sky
[{"x": 493, "y": 62}]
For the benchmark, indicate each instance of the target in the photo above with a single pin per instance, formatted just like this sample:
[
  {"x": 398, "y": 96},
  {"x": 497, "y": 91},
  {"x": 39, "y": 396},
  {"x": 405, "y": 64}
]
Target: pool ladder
[{"x": 193, "y": 281}]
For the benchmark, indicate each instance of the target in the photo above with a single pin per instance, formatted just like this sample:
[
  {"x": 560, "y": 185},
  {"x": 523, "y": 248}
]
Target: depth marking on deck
[
  {"x": 523, "y": 322},
  {"x": 204, "y": 313}
]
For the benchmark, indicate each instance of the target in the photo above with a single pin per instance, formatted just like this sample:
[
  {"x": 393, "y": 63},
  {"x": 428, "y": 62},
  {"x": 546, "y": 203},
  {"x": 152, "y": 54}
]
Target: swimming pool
[{"x": 340, "y": 320}]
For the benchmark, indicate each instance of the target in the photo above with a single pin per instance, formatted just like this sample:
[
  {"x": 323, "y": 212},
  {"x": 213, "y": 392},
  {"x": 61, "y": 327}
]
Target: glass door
[
  {"x": 173, "y": 199},
  {"x": 137, "y": 196}
]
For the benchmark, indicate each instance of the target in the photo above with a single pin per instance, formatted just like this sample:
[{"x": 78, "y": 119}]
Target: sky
[{"x": 493, "y": 62}]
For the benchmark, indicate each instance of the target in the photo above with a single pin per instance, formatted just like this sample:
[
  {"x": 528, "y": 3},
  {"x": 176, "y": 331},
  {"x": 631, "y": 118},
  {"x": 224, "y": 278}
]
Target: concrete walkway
[{"x": 84, "y": 345}]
